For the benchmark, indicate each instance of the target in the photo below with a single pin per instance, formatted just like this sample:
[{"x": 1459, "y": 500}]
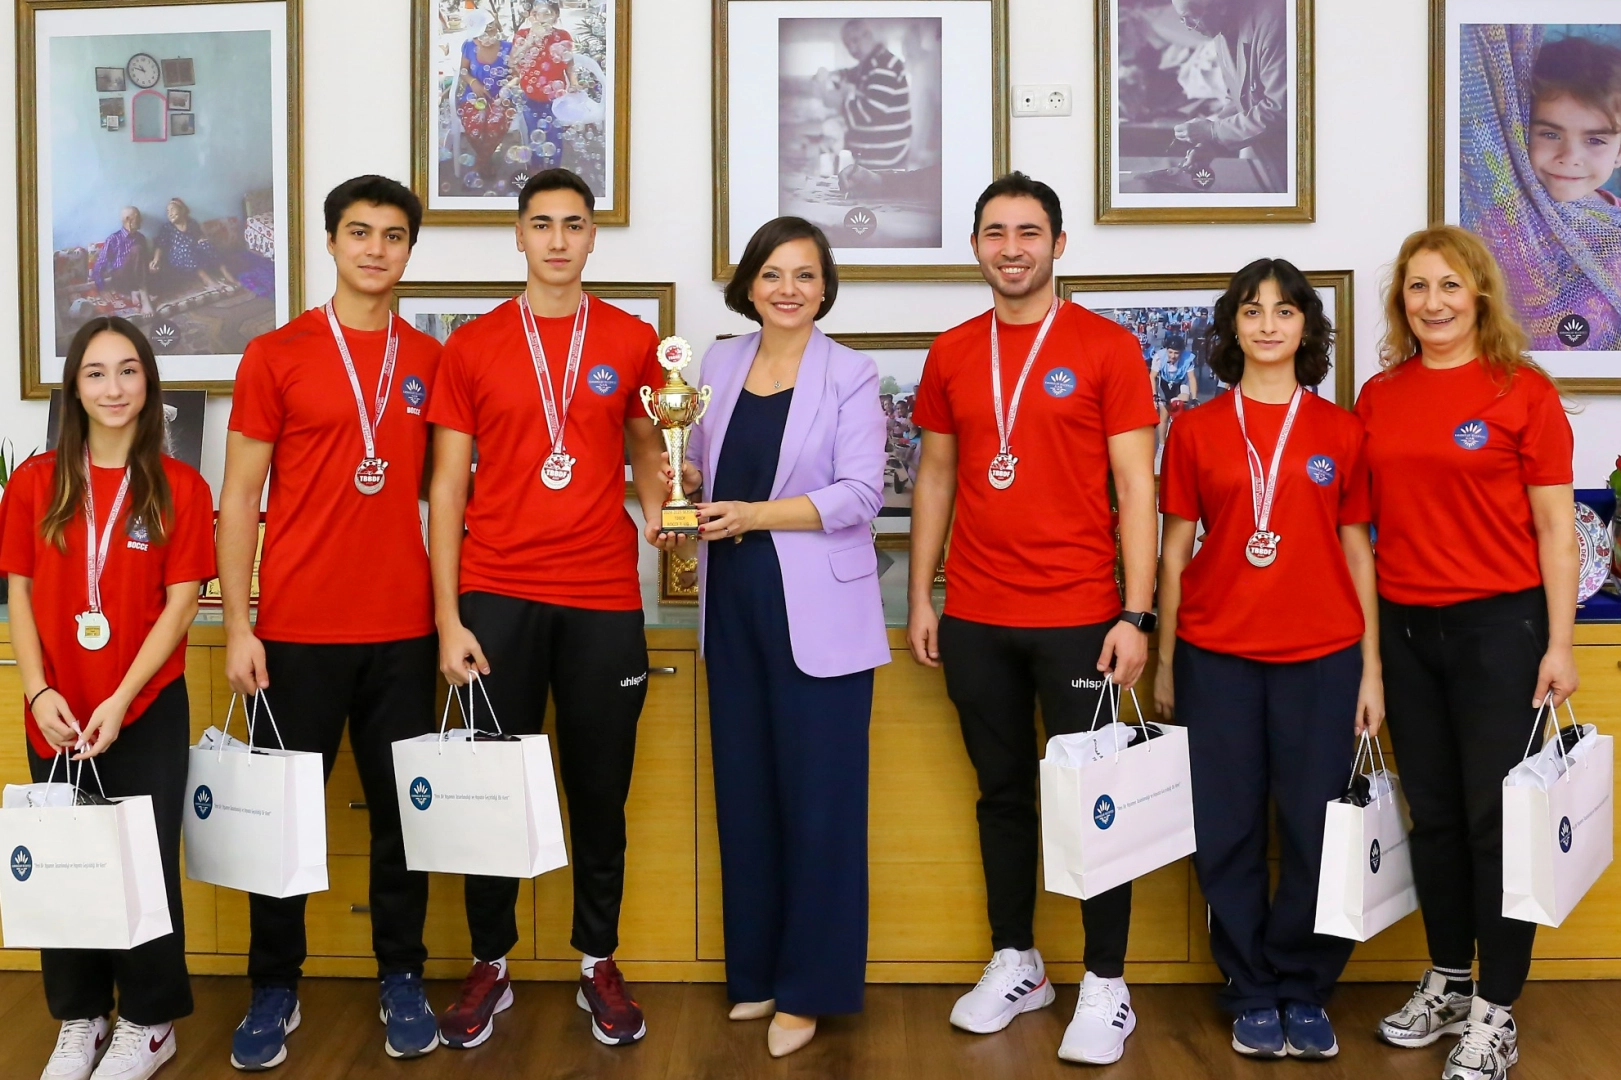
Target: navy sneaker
[
  {"x": 1307, "y": 1032},
  {"x": 403, "y": 1006},
  {"x": 260, "y": 1041},
  {"x": 1259, "y": 1033}
]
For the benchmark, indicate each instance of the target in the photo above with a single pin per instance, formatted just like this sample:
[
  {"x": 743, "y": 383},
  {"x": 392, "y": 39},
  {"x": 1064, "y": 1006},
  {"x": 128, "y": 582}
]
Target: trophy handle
[
  {"x": 647, "y": 403},
  {"x": 703, "y": 396}
]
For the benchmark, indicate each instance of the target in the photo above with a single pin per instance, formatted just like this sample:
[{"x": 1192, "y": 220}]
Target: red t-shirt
[
  {"x": 338, "y": 566},
  {"x": 133, "y": 583},
  {"x": 542, "y": 71},
  {"x": 1042, "y": 552},
  {"x": 1450, "y": 453},
  {"x": 1304, "y": 605},
  {"x": 575, "y": 547}
]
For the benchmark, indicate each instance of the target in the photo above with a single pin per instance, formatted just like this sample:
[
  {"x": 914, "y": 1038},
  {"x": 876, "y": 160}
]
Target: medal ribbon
[
  {"x": 1004, "y": 423},
  {"x": 95, "y": 559},
  {"x": 1263, "y": 486},
  {"x": 555, "y": 421},
  {"x": 385, "y": 378}
]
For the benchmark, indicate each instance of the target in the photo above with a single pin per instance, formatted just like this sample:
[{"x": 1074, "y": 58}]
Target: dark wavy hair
[
  {"x": 765, "y": 241},
  {"x": 1311, "y": 359}
]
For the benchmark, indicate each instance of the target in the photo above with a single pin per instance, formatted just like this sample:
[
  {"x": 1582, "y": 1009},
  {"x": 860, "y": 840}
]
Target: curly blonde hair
[{"x": 1504, "y": 346}]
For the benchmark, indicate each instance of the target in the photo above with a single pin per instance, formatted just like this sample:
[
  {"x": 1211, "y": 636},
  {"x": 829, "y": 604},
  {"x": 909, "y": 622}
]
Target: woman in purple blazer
[{"x": 790, "y": 459}]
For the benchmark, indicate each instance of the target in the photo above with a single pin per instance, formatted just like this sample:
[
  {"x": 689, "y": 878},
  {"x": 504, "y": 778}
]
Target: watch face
[{"x": 143, "y": 70}]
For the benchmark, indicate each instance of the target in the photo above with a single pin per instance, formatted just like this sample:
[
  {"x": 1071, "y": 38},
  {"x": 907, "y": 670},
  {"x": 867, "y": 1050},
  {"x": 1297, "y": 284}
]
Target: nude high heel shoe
[
  {"x": 753, "y": 1010},
  {"x": 782, "y": 1041}
]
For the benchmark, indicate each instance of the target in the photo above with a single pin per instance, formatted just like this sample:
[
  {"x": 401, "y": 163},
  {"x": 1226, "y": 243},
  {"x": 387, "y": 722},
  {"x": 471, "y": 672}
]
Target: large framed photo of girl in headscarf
[
  {"x": 1525, "y": 148},
  {"x": 503, "y": 89},
  {"x": 178, "y": 209}
]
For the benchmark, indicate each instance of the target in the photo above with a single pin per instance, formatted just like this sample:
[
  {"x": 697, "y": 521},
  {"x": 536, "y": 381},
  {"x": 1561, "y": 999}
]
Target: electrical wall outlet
[{"x": 1041, "y": 99}]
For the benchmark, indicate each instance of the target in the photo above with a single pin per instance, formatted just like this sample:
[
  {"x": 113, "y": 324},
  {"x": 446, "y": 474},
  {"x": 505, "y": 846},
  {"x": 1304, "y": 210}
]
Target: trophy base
[{"x": 679, "y": 521}]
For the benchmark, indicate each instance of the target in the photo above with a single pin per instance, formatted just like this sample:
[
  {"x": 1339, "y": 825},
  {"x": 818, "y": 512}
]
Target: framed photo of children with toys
[{"x": 1525, "y": 146}]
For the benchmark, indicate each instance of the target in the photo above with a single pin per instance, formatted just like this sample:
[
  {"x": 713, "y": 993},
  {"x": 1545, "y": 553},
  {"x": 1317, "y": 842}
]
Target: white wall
[{"x": 1372, "y": 110}]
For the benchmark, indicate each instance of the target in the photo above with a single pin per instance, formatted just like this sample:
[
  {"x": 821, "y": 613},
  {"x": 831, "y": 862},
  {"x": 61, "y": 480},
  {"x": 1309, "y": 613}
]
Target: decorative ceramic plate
[{"x": 1595, "y": 550}]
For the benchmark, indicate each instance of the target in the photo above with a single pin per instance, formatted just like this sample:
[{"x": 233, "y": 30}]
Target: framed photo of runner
[
  {"x": 197, "y": 241},
  {"x": 1204, "y": 111},
  {"x": 502, "y": 89},
  {"x": 837, "y": 111},
  {"x": 1525, "y": 151},
  {"x": 900, "y": 365},
  {"x": 1172, "y": 316}
]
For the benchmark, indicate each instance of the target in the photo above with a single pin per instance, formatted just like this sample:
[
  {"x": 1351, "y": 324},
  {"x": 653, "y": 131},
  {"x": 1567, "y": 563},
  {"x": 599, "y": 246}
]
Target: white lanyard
[
  {"x": 385, "y": 378},
  {"x": 1003, "y": 465},
  {"x": 558, "y": 468},
  {"x": 94, "y": 631},
  {"x": 1263, "y": 546}
]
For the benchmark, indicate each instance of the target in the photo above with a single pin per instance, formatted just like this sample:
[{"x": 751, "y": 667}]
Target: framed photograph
[
  {"x": 211, "y": 596},
  {"x": 110, "y": 80},
  {"x": 182, "y": 123},
  {"x": 678, "y": 575},
  {"x": 198, "y": 242},
  {"x": 1172, "y": 316},
  {"x": 846, "y": 105},
  {"x": 180, "y": 100},
  {"x": 900, "y": 365},
  {"x": 504, "y": 88},
  {"x": 183, "y": 412},
  {"x": 1204, "y": 116},
  {"x": 112, "y": 106},
  {"x": 179, "y": 72},
  {"x": 1512, "y": 84},
  {"x": 439, "y": 307}
]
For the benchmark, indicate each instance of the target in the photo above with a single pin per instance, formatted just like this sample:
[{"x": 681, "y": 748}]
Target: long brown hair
[
  {"x": 150, "y": 501},
  {"x": 1504, "y": 345}
]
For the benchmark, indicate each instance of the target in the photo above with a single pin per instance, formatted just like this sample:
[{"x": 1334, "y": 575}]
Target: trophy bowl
[{"x": 674, "y": 408}]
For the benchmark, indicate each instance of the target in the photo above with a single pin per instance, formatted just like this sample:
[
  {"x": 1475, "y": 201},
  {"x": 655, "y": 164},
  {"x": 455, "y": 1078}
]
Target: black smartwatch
[{"x": 1146, "y": 621}]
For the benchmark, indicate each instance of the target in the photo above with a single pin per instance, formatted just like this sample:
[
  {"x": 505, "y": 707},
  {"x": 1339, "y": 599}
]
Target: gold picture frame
[
  {"x": 678, "y": 576},
  {"x": 288, "y": 236},
  {"x": 851, "y": 267},
  {"x": 424, "y": 120},
  {"x": 211, "y": 596},
  {"x": 1304, "y": 208},
  {"x": 663, "y": 292},
  {"x": 900, "y": 462}
]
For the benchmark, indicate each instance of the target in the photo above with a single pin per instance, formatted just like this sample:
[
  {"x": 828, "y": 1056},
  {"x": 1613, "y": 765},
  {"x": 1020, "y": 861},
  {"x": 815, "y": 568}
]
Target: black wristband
[{"x": 37, "y": 696}]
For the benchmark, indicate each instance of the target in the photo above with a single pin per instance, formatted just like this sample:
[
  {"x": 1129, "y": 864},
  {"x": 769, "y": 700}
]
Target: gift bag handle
[
  {"x": 62, "y": 755},
  {"x": 467, "y": 710},
  {"x": 1112, "y": 691},
  {"x": 1541, "y": 728},
  {"x": 1369, "y": 746},
  {"x": 250, "y": 718}
]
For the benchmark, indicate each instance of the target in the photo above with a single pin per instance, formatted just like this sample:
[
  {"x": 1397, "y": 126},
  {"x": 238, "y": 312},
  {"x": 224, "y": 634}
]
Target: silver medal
[
  {"x": 557, "y": 470},
  {"x": 1262, "y": 548},
  {"x": 1001, "y": 472},
  {"x": 369, "y": 475},
  {"x": 94, "y": 630}
]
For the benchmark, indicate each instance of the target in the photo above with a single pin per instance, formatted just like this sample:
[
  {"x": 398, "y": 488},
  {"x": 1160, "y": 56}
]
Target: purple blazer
[{"x": 832, "y": 451}]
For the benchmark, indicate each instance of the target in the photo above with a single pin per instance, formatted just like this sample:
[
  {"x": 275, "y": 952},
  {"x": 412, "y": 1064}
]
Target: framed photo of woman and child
[
  {"x": 193, "y": 239},
  {"x": 1525, "y": 144},
  {"x": 502, "y": 89}
]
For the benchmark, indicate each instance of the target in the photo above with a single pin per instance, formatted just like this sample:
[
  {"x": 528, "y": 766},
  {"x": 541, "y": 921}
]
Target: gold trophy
[{"x": 675, "y": 407}]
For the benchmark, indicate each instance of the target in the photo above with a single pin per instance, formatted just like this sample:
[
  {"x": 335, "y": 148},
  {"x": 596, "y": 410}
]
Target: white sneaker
[
  {"x": 1009, "y": 987},
  {"x": 1489, "y": 1047},
  {"x": 1429, "y": 1014},
  {"x": 79, "y": 1045},
  {"x": 136, "y": 1052},
  {"x": 1103, "y": 1019}
]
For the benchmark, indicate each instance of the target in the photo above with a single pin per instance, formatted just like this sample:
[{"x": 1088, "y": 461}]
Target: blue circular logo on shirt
[
  {"x": 413, "y": 391},
  {"x": 1566, "y": 835},
  {"x": 1059, "y": 383},
  {"x": 421, "y": 793},
  {"x": 1321, "y": 469},
  {"x": 202, "y": 801},
  {"x": 1103, "y": 812},
  {"x": 1373, "y": 857},
  {"x": 602, "y": 380},
  {"x": 22, "y": 863},
  {"x": 1471, "y": 434}
]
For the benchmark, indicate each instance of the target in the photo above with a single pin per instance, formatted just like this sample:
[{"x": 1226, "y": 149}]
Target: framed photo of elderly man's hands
[{"x": 1204, "y": 111}]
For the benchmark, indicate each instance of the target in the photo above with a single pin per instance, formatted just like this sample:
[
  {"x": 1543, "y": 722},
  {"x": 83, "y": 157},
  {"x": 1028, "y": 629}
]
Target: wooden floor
[{"x": 1569, "y": 1030}]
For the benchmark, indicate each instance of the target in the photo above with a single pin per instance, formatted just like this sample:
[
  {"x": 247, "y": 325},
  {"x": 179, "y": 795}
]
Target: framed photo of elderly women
[
  {"x": 1525, "y": 147},
  {"x": 837, "y": 111},
  {"x": 1172, "y": 316},
  {"x": 502, "y": 89},
  {"x": 196, "y": 240},
  {"x": 1204, "y": 111}
]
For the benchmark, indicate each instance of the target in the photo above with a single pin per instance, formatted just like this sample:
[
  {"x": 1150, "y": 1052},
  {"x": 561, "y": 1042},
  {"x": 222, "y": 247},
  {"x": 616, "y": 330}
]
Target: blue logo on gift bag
[
  {"x": 1059, "y": 383},
  {"x": 603, "y": 380},
  {"x": 1373, "y": 857},
  {"x": 1103, "y": 812},
  {"x": 413, "y": 392},
  {"x": 1565, "y": 835},
  {"x": 421, "y": 793},
  {"x": 202, "y": 801},
  {"x": 22, "y": 863},
  {"x": 1471, "y": 434},
  {"x": 1321, "y": 470}
]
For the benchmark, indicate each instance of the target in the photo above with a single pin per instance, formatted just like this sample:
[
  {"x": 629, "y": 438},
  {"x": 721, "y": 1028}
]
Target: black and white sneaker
[
  {"x": 1489, "y": 1048},
  {"x": 1429, "y": 1014},
  {"x": 1009, "y": 987}
]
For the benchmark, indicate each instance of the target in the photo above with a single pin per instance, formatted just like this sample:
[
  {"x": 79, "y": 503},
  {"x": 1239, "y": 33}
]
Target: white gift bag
[
  {"x": 1366, "y": 880},
  {"x": 1114, "y": 808},
  {"x": 79, "y": 876},
  {"x": 1558, "y": 822},
  {"x": 255, "y": 817},
  {"x": 471, "y": 806}
]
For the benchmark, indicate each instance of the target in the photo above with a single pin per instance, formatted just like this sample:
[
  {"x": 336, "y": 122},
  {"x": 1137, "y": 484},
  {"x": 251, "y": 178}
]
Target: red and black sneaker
[
  {"x": 485, "y": 992},
  {"x": 616, "y": 1019}
]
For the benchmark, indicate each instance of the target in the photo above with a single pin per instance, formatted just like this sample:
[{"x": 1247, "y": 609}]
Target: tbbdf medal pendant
[
  {"x": 1003, "y": 467},
  {"x": 94, "y": 631},
  {"x": 557, "y": 469},
  {"x": 369, "y": 476},
  {"x": 1262, "y": 547}
]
